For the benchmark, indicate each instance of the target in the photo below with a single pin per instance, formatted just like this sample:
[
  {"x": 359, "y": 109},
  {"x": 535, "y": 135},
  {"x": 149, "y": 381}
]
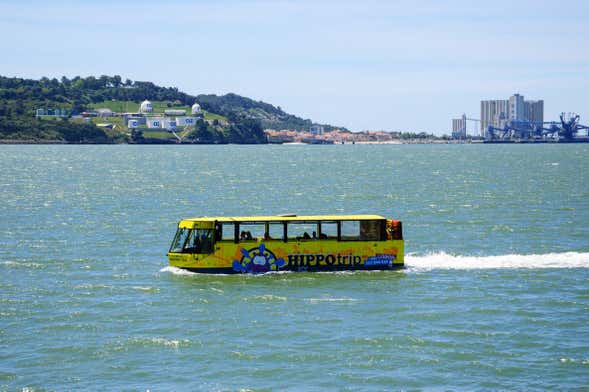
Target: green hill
[
  {"x": 270, "y": 116},
  {"x": 227, "y": 119}
]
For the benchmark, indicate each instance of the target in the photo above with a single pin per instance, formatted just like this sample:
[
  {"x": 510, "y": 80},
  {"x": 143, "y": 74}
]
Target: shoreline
[{"x": 388, "y": 142}]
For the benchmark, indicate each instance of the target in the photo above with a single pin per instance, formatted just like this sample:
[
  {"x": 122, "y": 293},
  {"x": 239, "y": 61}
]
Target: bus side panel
[{"x": 311, "y": 255}]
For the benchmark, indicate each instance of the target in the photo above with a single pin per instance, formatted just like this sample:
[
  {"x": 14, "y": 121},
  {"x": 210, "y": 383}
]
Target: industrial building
[
  {"x": 459, "y": 127},
  {"x": 495, "y": 113},
  {"x": 534, "y": 111},
  {"x": 499, "y": 112}
]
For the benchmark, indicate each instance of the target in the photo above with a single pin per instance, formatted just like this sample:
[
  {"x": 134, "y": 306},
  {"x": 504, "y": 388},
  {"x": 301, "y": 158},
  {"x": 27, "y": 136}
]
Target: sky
[{"x": 365, "y": 65}]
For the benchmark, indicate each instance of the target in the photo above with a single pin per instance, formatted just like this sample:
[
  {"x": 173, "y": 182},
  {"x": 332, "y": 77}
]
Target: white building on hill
[
  {"x": 196, "y": 110},
  {"x": 146, "y": 107}
]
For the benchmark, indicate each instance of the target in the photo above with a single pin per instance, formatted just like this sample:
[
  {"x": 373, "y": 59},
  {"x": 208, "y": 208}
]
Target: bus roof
[{"x": 283, "y": 218}]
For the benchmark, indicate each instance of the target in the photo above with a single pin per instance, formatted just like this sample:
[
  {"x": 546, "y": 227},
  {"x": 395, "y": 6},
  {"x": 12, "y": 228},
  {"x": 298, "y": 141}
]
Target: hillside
[
  {"x": 227, "y": 119},
  {"x": 270, "y": 116}
]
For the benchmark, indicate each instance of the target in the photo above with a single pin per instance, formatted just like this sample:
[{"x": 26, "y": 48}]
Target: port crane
[
  {"x": 514, "y": 129},
  {"x": 567, "y": 128},
  {"x": 570, "y": 125}
]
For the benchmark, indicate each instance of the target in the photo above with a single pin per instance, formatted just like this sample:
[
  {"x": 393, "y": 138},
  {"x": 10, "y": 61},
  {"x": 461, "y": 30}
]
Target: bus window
[
  {"x": 180, "y": 240},
  {"x": 327, "y": 230},
  {"x": 298, "y": 231},
  {"x": 200, "y": 241},
  {"x": 274, "y": 231},
  {"x": 251, "y": 231},
  {"x": 350, "y": 230},
  {"x": 227, "y": 232},
  {"x": 370, "y": 230},
  {"x": 362, "y": 230},
  {"x": 193, "y": 241}
]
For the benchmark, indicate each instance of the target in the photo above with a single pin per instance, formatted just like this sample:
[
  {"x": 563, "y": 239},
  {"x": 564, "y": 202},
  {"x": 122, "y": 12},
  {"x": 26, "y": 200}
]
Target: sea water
[{"x": 495, "y": 295}]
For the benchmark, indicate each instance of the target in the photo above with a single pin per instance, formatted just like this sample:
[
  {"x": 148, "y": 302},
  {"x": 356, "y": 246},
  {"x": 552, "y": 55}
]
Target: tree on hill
[
  {"x": 246, "y": 130},
  {"x": 26, "y": 128},
  {"x": 202, "y": 133}
]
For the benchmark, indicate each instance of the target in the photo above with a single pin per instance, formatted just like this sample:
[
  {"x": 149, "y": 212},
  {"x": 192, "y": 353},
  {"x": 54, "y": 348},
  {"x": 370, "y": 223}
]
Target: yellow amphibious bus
[{"x": 259, "y": 244}]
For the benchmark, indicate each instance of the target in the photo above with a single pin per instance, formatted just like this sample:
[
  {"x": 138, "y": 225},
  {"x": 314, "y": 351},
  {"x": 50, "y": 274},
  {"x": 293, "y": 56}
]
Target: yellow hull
[{"x": 305, "y": 255}]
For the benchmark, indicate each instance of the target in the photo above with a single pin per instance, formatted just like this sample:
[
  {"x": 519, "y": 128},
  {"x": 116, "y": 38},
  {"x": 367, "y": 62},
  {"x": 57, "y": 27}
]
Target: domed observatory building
[
  {"x": 196, "y": 110},
  {"x": 146, "y": 107}
]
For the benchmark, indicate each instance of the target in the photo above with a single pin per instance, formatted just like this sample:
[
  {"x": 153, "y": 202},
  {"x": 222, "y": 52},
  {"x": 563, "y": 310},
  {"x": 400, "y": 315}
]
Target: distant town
[{"x": 317, "y": 136}]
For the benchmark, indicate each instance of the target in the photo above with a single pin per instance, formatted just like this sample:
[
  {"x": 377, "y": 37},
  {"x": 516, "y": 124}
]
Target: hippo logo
[{"x": 257, "y": 261}]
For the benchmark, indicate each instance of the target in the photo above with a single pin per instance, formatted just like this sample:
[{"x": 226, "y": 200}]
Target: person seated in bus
[
  {"x": 242, "y": 235},
  {"x": 193, "y": 245},
  {"x": 248, "y": 235},
  {"x": 314, "y": 235},
  {"x": 323, "y": 236},
  {"x": 203, "y": 244},
  {"x": 306, "y": 236}
]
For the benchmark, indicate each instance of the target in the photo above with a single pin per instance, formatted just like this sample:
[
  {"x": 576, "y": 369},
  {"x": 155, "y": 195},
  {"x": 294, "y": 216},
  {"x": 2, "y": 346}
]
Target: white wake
[
  {"x": 447, "y": 261},
  {"x": 177, "y": 271}
]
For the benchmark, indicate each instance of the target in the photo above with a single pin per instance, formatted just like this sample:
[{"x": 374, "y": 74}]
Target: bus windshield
[{"x": 193, "y": 241}]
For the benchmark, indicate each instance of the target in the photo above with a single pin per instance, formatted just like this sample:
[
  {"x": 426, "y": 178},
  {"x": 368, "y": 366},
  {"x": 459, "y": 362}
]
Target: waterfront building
[
  {"x": 493, "y": 113},
  {"x": 459, "y": 127},
  {"x": 500, "y": 112},
  {"x": 534, "y": 112},
  {"x": 516, "y": 107},
  {"x": 316, "y": 130}
]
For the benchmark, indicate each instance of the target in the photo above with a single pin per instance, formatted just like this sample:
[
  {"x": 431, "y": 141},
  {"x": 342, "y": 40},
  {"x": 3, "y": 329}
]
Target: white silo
[{"x": 196, "y": 109}]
